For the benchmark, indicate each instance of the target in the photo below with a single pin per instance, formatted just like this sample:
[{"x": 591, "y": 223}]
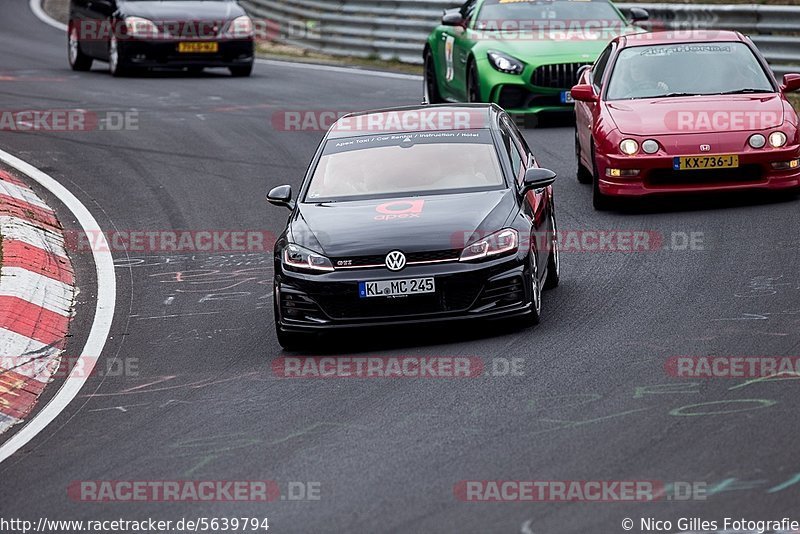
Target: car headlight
[
  {"x": 629, "y": 147},
  {"x": 141, "y": 27},
  {"x": 777, "y": 139},
  {"x": 505, "y": 63},
  {"x": 501, "y": 242},
  {"x": 300, "y": 258},
  {"x": 650, "y": 146},
  {"x": 757, "y": 141},
  {"x": 240, "y": 27}
]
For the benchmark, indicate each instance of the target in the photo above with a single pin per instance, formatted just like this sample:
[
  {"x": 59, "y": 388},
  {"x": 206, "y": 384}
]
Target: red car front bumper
[{"x": 656, "y": 174}]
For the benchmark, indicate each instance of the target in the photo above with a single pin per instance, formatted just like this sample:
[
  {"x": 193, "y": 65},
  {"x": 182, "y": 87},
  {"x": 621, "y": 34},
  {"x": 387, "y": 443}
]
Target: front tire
[
  {"x": 473, "y": 84},
  {"x": 584, "y": 175},
  {"x": 600, "y": 201},
  {"x": 241, "y": 72},
  {"x": 116, "y": 59},
  {"x": 554, "y": 259},
  {"x": 78, "y": 61},
  {"x": 535, "y": 316},
  {"x": 430, "y": 84}
]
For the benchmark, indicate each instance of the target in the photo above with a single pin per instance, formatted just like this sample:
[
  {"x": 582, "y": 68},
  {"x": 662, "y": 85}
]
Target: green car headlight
[{"x": 505, "y": 63}]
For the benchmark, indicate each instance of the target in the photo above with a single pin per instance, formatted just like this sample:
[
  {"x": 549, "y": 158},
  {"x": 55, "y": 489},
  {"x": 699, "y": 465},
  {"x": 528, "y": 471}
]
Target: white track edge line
[
  {"x": 103, "y": 317},
  {"x": 335, "y": 68},
  {"x": 36, "y": 7}
]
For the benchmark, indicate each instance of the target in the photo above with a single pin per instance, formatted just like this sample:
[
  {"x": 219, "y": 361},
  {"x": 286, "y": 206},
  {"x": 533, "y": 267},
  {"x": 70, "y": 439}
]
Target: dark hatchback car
[
  {"x": 415, "y": 215},
  {"x": 138, "y": 34}
]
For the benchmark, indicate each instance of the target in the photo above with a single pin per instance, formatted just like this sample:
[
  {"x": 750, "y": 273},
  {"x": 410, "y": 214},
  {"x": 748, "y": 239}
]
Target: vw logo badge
[
  {"x": 705, "y": 148},
  {"x": 395, "y": 261}
]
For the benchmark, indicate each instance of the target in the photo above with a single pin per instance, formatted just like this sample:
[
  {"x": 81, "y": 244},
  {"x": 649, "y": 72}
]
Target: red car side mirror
[
  {"x": 791, "y": 82},
  {"x": 584, "y": 93}
]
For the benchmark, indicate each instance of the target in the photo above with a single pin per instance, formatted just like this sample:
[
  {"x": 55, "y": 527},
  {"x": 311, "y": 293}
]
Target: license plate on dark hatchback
[{"x": 396, "y": 288}]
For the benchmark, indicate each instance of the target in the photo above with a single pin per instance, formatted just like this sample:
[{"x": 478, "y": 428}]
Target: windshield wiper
[
  {"x": 670, "y": 95},
  {"x": 746, "y": 91}
]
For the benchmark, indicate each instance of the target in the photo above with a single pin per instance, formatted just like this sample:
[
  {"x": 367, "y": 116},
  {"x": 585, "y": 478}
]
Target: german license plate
[
  {"x": 198, "y": 48},
  {"x": 396, "y": 288},
  {"x": 690, "y": 163},
  {"x": 566, "y": 98}
]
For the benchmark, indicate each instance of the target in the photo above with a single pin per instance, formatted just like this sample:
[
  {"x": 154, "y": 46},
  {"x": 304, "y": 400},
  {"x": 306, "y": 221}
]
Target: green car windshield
[
  {"x": 493, "y": 11},
  {"x": 688, "y": 69}
]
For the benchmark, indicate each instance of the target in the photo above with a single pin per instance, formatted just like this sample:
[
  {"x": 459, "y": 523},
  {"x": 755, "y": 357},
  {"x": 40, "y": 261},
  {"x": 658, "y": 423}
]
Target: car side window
[
  {"x": 515, "y": 152},
  {"x": 600, "y": 67},
  {"x": 468, "y": 9}
]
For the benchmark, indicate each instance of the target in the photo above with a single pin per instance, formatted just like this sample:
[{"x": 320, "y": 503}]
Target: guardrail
[{"x": 397, "y": 29}]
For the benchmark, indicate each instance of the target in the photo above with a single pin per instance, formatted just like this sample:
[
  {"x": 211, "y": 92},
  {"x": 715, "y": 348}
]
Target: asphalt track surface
[{"x": 594, "y": 402}]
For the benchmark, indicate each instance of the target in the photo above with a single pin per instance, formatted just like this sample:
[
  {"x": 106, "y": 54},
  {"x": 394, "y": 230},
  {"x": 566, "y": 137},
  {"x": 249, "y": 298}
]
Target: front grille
[
  {"x": 557, "y": 75},
  {"x": 453, "y": 294},
  {"x": 518, "y": 97},
  {"x": 745, "y": 173},
  {"x": 412, "y": 257}
]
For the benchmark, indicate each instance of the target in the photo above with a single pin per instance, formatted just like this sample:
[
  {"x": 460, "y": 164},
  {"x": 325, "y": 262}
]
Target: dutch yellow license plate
[
  {"x": 198, "y": 48},
  {"x": 691, "y": 163}
]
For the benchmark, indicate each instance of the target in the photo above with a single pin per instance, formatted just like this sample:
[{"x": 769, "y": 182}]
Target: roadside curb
[{"x": 37, "y": 290}]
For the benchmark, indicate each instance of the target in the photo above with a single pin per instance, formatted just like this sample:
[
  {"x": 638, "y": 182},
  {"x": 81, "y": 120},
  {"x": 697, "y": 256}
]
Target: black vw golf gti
[{"x": 419, "y": 214}]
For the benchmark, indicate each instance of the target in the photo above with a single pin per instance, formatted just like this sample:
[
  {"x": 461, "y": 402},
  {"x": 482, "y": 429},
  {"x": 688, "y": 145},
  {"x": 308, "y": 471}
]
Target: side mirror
[
  {"x": 452, "y": 17},
  {"x": 639, "y": 15},
  {"x": 537, "y": 178},
  {"x": 103, "y": 6},
  {"x": 791, "y": 82},
  {"x": 584, "y": 93},
  {"x": 281, "y": 196}
]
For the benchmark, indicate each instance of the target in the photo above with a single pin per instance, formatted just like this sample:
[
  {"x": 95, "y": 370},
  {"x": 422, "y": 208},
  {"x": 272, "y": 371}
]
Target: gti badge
[
  {"x": 395, "y": 261},
  {"x": 705, "y": 148}
]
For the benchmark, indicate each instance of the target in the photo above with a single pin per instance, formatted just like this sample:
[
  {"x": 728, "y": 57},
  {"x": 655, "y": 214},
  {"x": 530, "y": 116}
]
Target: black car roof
[{"x": 486, "y": 115}]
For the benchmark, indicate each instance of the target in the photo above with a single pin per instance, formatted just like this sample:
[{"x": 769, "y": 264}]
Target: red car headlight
[
  {"x": 629, "y": 147},
  {"x": 757, "y": 141},
  {"x": 777, "y": 139}
]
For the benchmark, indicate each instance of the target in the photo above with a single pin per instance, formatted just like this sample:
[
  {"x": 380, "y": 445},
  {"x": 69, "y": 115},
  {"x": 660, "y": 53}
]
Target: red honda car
[{"x": 688, "y": 111}]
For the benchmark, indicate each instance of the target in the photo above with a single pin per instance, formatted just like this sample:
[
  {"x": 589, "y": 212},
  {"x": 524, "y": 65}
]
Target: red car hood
[{"x": 697, "y": 114}]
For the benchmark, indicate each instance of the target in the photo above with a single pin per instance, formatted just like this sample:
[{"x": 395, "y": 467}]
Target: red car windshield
[{"x": 686, "y": 69}]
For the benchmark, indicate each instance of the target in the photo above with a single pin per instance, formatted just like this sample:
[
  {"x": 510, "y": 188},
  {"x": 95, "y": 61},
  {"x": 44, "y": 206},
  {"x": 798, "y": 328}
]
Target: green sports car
[{"x": 521, "y": 54}]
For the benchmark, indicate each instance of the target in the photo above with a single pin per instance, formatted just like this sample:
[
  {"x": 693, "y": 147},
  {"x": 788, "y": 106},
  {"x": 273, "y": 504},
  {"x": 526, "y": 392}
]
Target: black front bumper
[
  {"x": 500, "y": 288},
  {"x": 231, "y": 53}
]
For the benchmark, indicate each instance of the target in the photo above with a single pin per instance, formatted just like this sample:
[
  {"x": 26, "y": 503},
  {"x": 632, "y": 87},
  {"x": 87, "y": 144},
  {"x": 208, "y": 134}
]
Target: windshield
[
  {"x": 403, "y": 164},
  {"x": 686, "y": 69},
  {"x": 545, "y": 11}
]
